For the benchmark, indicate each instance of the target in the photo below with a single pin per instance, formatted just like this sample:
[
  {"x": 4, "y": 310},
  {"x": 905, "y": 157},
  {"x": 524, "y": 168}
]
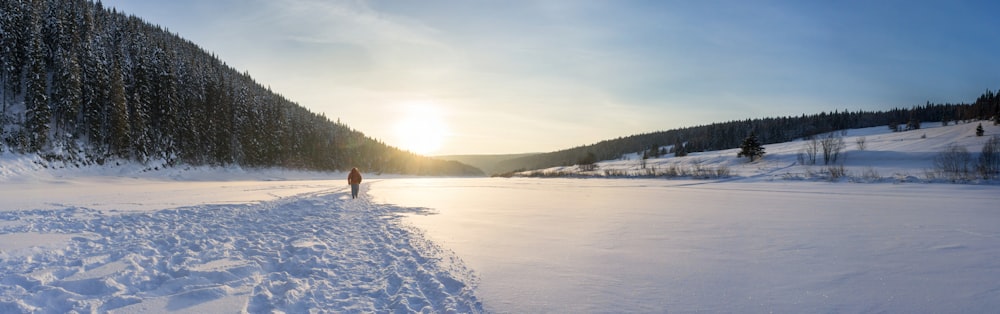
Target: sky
[{"x": 491, "y": 77}]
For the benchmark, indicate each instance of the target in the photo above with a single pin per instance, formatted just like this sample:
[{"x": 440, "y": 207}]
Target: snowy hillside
[{"x": 885, "y": 156}]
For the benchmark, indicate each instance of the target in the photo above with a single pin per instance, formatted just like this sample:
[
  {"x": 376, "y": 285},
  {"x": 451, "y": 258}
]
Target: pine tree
[
  {"x": 118, "y": 118},
  {"x": 751, "y": 148},
  {"x": 67, "y": 95},
  {"x": 979, "y": 130},
  {"x": 913, "y": 124},
  {"x": 679, "y": 149},
  {"x": 36, "y": 100}
]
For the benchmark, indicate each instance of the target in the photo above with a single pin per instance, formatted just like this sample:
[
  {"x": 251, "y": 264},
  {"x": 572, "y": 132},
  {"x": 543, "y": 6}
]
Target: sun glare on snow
[{"x": 420, "y": 128}]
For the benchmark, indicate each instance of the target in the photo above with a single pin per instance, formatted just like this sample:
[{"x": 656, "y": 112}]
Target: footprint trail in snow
[{"x": 317, "y": 251}]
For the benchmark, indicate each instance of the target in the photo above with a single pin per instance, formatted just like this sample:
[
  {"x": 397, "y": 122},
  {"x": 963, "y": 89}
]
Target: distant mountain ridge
[{"x": 84, "y": 84}]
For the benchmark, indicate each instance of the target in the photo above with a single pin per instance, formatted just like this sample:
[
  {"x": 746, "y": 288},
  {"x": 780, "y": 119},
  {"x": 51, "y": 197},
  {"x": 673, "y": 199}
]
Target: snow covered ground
[
  {"x": 772, "y": 237},
  {"x": 185, "y": 245},
  {"x": 653, "y": 245}
]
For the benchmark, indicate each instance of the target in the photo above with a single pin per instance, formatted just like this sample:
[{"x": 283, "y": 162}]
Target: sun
[{"x": 421, "y": 128}]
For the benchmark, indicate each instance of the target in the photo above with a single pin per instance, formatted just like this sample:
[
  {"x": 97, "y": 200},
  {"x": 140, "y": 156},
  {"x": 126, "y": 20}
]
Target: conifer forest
[{"x": 82, "y": 84}]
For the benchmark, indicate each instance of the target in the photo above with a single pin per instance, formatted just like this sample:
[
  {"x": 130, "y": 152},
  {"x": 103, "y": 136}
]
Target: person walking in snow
[{"x": 354, "y": 179}]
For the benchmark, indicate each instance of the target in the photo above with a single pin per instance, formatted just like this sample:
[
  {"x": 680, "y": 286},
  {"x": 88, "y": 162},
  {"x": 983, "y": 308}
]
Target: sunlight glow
[{"x": 421, "y": 127}]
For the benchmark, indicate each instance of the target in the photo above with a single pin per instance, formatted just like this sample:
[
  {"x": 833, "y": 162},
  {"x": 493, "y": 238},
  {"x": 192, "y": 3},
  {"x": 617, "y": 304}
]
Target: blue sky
[{"x": 532, "y": 76}]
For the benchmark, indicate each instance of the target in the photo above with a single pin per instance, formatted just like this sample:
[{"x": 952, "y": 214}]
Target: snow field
[
  {"x": 318, "y": 251},
  {"x": 695, "y": 246}
]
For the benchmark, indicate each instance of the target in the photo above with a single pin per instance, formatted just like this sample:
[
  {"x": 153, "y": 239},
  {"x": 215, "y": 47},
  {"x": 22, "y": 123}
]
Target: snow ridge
[{"x": 316, "y": 251}]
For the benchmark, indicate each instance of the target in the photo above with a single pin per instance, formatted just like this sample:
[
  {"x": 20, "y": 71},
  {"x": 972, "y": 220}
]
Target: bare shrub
[
  {"x": 615, "y": 173},
  {"x": 811, "y": 149},
  {"x": 836, "y": 172},
  {"x": 672, "y": 171},
  {"x": 831, "y": 145},
  {"x": 696, "y": 170},
  {"x": 870, "y": 174},
  {"x": 700, "y": 171},
  {"x": 989, "y": 159},
  {"x": 651, "y": 172},
  {"x": 722, "y": 171},
  {"x": 953, "y": 163},
  {"x": 792, "y": 176},
  {"x": 810, "y": 173},
  {"x": 861, "y": 143}
]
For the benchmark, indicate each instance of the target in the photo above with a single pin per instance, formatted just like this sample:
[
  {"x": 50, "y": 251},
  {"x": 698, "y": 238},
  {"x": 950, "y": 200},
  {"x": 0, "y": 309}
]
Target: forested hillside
[
  {"x": 82, "y": 84},
  {"x": 486, "y": 163},
  {"x": 726, "y": 135}
]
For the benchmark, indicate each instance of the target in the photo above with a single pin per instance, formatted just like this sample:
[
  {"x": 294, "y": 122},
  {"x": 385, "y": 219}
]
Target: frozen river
[
  {"x": 595, "y": 245},
  {"x": 159, "y": 245}
]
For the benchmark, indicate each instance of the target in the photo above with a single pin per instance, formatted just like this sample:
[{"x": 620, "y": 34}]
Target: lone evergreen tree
[
  {"x": 979, "y": 130},
  {"x": 751, "y": 148}
]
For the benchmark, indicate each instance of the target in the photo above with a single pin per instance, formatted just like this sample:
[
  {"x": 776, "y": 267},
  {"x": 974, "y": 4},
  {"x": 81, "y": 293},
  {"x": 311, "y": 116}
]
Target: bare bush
[
  {"x": 836, "y": 172},
  {"x": 792, "y": 176},
  {"x": 615, "y": 173},
  {"x": 861, "y": 143},
  {"x": 699, "y": 171},
  {"x": 953, "y": 164},
  {"x": 832, "y": 145},
  {"x": 722, "y": 171},
  {"x": 811, "y": 149},
  {"x": 870, "y": 174},
  {"x": 672, "y": 171},
  {"x": 989, "y": 159},
  {"x": 651, "y": 172}
]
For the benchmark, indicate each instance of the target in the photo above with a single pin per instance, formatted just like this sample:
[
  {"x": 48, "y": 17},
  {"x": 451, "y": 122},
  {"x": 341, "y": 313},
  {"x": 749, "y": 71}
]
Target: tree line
[
  {"x": 83, "y": 84},
  {"x": 727, "y": 135}
]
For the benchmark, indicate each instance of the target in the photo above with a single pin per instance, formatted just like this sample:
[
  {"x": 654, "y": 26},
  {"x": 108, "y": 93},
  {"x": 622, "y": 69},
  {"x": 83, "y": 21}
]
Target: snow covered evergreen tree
[
  {"x": 36, "y": 101},
  {"x": 751, "y": 148}
]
